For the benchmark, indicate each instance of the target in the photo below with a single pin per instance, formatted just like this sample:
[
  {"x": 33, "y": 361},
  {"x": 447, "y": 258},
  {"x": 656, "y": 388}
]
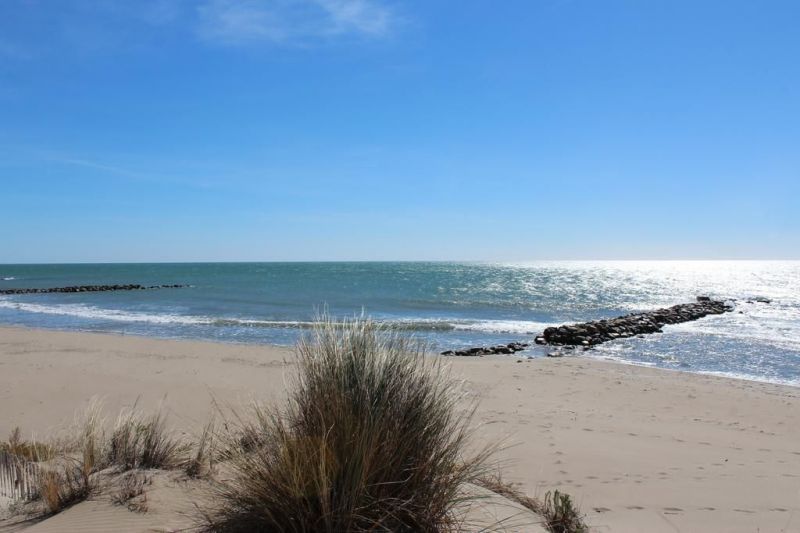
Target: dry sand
[{"x": 639, "y": 449}]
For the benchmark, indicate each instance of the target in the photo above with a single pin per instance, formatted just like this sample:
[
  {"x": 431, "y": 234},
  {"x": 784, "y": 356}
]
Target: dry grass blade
[
  {"x": 28, "y": 450},
  {"x": 557, "y": 511},
  {"x": 496, "y": 484}
]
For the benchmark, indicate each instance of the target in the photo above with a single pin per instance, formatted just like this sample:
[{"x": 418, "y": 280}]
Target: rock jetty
[
  {"x": 599, "y": 331},
  {"x": 90, "y": 288}
]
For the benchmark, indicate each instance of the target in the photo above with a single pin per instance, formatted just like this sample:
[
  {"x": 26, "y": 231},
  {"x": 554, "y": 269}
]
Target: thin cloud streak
[
  {"x": 291, "y": 21},
  {"x": 111, "y": 170}
]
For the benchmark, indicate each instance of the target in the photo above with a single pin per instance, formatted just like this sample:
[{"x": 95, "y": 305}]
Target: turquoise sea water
[{"x": 451, "y": 305}]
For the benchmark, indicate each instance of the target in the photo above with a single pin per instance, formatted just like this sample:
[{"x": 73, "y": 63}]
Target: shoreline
[
  {"x": 639, "y": 449},
  {"x": 600, "y": 358}
]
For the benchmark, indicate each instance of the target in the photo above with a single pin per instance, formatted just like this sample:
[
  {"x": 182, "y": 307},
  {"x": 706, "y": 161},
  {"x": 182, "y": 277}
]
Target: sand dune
[{"x": 639, "y": 449}]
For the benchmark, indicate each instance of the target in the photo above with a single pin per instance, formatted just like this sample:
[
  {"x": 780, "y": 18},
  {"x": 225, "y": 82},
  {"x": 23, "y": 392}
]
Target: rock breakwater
[
  {"x": 600, "y": 331},
  {"x": 596, "y": 332},
  {"x": 90, "y": 288}
]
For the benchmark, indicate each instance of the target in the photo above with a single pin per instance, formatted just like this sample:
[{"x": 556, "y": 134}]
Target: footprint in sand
[
  {"x": 601, "y": 509},
  {"x": 744, "y": 511},
  {"x": 779, "y": 509},
  {"x": 635, "y": 508},
  {"x": 673, "y": 510},
  {"x": 708, "y": 509}
]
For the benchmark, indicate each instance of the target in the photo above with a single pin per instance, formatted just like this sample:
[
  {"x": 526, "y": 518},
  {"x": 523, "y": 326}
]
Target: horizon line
[{"x": 476, "y": 261}]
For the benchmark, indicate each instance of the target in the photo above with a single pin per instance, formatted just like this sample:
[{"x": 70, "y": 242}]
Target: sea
[{"x": 447, "y": 305}]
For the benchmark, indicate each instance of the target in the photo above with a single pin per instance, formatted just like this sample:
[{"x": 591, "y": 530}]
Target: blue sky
[{"x": 170, "y": 130}]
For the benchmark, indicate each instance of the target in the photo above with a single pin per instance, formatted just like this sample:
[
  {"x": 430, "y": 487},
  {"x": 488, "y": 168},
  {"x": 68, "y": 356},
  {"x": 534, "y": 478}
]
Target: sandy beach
[{"x": 639, "y": 449}]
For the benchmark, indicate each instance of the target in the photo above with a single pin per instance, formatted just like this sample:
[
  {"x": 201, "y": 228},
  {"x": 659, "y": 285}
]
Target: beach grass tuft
[
  {"x": 142, "y": 442},
  {"x": 373, "y": 438},
  {"x": 203, "y": 453},
  {"x": 561, "y": 514}
]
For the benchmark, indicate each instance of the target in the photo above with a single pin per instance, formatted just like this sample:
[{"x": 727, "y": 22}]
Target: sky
[{"x": 258, "y": 130}]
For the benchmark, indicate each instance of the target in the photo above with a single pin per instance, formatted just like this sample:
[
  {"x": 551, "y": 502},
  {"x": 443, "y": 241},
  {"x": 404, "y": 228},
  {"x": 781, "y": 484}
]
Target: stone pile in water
[
  {"x": 90, "y": 288},
  {"x": 599, "y": 331}
]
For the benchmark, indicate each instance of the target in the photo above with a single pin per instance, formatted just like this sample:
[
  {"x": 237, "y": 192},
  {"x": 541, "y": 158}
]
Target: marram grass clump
[
  {"x": 143, "y": 442},
  {"x": 373, "y": 438}
]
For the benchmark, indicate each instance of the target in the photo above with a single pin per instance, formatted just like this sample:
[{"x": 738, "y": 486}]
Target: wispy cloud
[
  {"x": 291, "y": 21},
  {"x": 89, "y": 27},
  {"x": 106, "y": 171}
]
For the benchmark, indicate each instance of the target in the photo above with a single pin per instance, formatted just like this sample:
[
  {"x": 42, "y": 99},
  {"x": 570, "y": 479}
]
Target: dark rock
[{"x": 88, "y": 288}]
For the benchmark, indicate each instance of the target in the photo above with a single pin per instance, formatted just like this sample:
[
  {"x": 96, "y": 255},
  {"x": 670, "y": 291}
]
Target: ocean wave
[
  {"x": 517, "y": 327},
  {"x": 410, "y": 324},
  {"x": 8, "y": 278}
]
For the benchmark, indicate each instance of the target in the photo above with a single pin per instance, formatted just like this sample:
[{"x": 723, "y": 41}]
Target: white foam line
[
  {"x": 87, "y": 311},
  {"x": 96, "y": 313}
]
